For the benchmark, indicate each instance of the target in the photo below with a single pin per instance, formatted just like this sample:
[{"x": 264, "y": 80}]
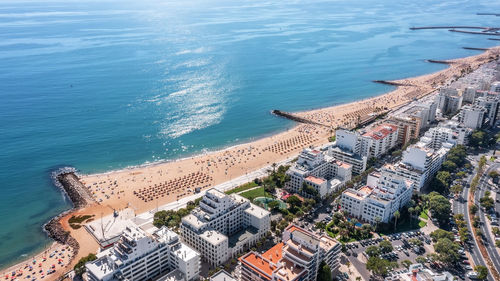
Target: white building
[
  {"x": 318, "y": 170},
  {"x": 417, "y": 272},
  {"x": 449, "y": 100},
  {"x": 378, "y": 203},
  {"x": 139, "y": 255},
  {"x": 381, "y": 139},
  {"x": 491, "y": 103},
  {"x": 469, "y": 95},
  {"x": 495, "y": 87},
  {"x": 224, "y": 226},
  {"x": 297, "y": 258},
  {"x": 448, "y": 132},
  {"x": 222, "y": 276},
  {"x": 472, "y": 116}
]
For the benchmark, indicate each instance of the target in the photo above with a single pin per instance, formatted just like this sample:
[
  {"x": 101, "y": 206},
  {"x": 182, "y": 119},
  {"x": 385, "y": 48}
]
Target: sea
[{"x": 100, "y": 85}]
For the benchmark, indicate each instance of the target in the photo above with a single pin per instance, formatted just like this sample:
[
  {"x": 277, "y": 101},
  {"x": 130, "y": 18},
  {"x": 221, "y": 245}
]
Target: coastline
[{"x": 254, "y": 154}]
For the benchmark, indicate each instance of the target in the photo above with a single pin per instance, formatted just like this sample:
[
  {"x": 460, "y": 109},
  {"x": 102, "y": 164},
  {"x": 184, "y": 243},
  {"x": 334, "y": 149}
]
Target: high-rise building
[
  {"x": 491, "y": 103},
  {"x": 449, "y": 100},
  {"x": 320, "y": 171},
  {"x": 297, "y": 258},
  {"x": 472, "y": 116},
  {"x": 224, "y": 226},
  {"x": 381, "y": 139},
  {"x": 139, "y": 255}
]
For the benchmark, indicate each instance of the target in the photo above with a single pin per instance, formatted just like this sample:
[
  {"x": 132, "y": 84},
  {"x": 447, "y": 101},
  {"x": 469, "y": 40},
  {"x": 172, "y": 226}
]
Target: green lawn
[
  {"x": 424, "y": 215},
  {"x": 422, "y": 224},
  {"x": 242, "y": 187},
  {"x": 254, "y": 193},
  {"x": 405, "y": 226}
]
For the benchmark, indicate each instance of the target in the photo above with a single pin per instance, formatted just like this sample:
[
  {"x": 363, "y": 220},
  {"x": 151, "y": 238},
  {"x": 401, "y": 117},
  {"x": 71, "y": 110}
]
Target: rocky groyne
[
  {"x": 294, "y": 117},
  {"x": 73, "y": 188}
]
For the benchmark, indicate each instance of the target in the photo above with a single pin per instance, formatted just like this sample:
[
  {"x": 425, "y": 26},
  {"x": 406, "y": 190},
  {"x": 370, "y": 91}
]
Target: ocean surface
[{"x": 102, "y": 85}]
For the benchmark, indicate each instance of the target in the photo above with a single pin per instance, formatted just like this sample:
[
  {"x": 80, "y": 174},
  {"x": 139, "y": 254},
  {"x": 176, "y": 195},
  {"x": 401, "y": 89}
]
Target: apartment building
[
  {"x": 447, "y": 132},
  {"x": 417, "y": 272},
  {"x": 222, "y": 276},
  {"x": 378, "y": 203},
  {"x": 408, "y": 127},
  {"x": 491, "y": 104},
  {"x": 224, "y": 226},
  {"x": 323, "y": 172},
  {"x": 449, "y": 100},
  {"x": 472, "y": 116},
  {"x": 145, "y": 255},
  {"x": 296, "y": 258},
  {"x": 381, "y": 139}
]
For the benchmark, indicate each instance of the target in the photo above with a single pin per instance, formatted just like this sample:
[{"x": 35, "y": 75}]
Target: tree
[
  {"x": 441, "y": 181},
  {"x": 487, "y": 202},
  {"x": 385, "y": 246},
  {"x": 324, "y": 272},
  {"x": 473, "y": 209},
  {"x": 407, "y": 263},
  {"x": 440, "y": 234},
  {"x": 380, "y": 266},
  {"x": 456, "y": 189},
  {"x": 494, "y": 175},
  {"x": 372, "y": 251},
  {"x": 274, "y": 205},
  {"x": 447, "y": 251},
  {"x": 396, "y": 217},
  {"x": 449, "y": 166},
  {"x": 377, "y": 221},
  {"x": 80, "y": 266},
  {"x": 294, "y": 201},
  {"x": 477, "y": 138},
  {"x": 421, "y": 260},
  {"x": 482, "y": 272},
  {"x": 440, "y": 208}
]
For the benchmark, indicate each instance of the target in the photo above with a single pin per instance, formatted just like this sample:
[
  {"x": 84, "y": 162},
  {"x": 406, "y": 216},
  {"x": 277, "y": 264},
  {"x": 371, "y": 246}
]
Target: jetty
[
  {"x": 475, "y": 49},
  {"x": 488, "y": 14},
  {"x": 295, "y": 118},
  {"x": 448, "y": 27},
  {"x": 494, "y": 39},
  {"x": 74, "y": 188},
  {"x": 440, "y": 61},
  {"x": 475, "y": 32},
  {"x": 392, "y": 83}
]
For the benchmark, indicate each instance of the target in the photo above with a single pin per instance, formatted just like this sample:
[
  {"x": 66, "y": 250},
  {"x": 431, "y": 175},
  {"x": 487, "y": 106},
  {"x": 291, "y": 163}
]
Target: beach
[{"x": 146, "y": 187}]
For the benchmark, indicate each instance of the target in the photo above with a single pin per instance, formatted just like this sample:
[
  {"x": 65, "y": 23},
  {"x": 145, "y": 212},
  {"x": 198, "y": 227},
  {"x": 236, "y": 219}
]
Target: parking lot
[{"x": 402, "y": 250}]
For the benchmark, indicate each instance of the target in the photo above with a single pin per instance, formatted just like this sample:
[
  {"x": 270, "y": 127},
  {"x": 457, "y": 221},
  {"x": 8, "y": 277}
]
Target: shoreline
[{"x": 264, "y": 145}]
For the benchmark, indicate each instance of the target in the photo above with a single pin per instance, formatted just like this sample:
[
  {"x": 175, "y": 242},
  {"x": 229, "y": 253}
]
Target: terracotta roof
[
  {"x": 315, "y": 180},
  {"x": 381, "y": 131},
  {"x": 264, "y": 267},
  {"x": 275, "y": 253}
]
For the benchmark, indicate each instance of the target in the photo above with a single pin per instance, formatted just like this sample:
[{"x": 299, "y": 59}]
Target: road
[
  {"x": 460, "y": 207},
  {"x": 489, "y": 240}
]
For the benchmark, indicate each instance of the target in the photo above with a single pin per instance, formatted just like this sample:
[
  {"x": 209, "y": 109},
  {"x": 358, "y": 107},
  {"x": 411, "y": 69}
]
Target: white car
[{"x": 472, "y": 274}]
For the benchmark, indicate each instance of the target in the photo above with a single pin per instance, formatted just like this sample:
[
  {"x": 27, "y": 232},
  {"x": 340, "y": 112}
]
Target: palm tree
[
  {"x": 274, "y": 167},
  {"x": 396, "y": 217},
  {"x": 377, "y": 221},
  {"x": 411, "y": 210}
]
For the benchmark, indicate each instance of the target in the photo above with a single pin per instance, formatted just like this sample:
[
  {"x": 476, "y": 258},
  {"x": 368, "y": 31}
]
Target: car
[
  {"x": 472, "y": 275},
  {"x": 466, "y": 262},
  {"x": 406, "y": 253}
]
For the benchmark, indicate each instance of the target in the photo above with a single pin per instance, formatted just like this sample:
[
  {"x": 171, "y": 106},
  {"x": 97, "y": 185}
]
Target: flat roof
[
  {"x": 263, "y": 266},
  {"x": 315, "y": 180},
  {"x": 257, "y": 211},
  {"x": 222, "y": 276},
  {"x": 275, "y": 253},
  {"x": 185, "y": 252},
  {"x": 242, "y": 235},
  {"x": 213, "y": 237},
  {"x": 381, "y": 131}
]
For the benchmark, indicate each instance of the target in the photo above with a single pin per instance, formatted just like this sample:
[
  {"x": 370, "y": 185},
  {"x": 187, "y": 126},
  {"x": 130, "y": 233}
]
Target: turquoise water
[{"x": 102, "y": 85}]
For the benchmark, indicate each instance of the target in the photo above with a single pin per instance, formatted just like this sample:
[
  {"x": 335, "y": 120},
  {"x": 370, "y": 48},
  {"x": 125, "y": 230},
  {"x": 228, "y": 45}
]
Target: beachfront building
[
  {"x": 495, "y": 87},
  {"x": 408, "y": 127},
  {"x": 449, "y": 100},
  {"x": 145, "y": 255},
  {"x": 417, "y": 272},
  {"x": 472, "y": 116},
  {"x": 380, "y": 140},
  {"x": 491, "y": 104},
  {"x": 420, "y": 162},
  {"x": 223, "y": 226},
  {"x": 296, "y": 258},
  {"x": 469, "y": 95},
  {"x": 324, "y": 173},
  {"x": 378, "y": 203}
]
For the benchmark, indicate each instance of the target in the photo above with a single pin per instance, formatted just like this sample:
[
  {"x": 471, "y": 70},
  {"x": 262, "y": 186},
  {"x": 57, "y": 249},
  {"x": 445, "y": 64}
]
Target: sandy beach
[{"x": 145, "y": 187}]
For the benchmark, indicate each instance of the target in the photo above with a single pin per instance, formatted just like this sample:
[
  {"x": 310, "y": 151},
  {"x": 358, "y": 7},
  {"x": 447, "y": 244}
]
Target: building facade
[
  {"x": 139, "y": 255},
  {"x": 224, "y": 226}
]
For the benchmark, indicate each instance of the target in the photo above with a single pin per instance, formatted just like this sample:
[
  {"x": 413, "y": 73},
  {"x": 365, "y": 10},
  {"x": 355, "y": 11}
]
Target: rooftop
[
  {"x": 315, "y": 180},
  {"x": 222, "y": 276},
  {"x": 263, "y": 266},
  {"x": 381, "y": 131},
  {"x": 213, "y": 237},
  {"x": 275, "y": 253}
]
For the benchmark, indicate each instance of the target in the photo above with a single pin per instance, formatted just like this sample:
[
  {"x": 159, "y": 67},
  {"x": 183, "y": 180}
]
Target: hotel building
[
  {"x": 224, "y": 226},
  {"x": 140, "y": 255},
  {"x": 378, "y": 203},
  {"x": 318, "y": 170},
  {"x": 296, "y": 258},
  {"x": 472, "y": 116}
]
